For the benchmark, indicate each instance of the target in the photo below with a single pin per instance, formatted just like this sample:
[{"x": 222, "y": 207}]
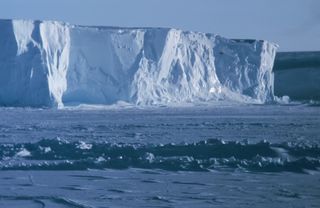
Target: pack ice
[{"x": 54, "y": 64}]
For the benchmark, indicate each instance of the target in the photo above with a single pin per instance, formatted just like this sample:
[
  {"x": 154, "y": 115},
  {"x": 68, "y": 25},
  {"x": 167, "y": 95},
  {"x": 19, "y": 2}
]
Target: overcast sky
[{"x": 293, "y": 24}]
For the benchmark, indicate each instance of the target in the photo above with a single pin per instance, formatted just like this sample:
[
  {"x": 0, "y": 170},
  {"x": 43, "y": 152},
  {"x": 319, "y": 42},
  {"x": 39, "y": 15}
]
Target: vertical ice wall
[
  {"x": 182, "y": 71},
  {"x": 55, "y": 64},
  {"x": 244, "y": 67},
  {"x": 297, "y": 75},
  {"x": 23, "y": 76}
]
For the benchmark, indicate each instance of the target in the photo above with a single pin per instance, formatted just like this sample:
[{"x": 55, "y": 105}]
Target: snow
[
  {"x": 48, "y": 63},
  {"x": 56, "y": 46},
  {"x": 84, "y": 146},
  {"x": 23, "y": 31},
  {"x": 23, "y": 153}
]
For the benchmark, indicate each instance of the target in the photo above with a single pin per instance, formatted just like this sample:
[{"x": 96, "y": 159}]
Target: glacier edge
[{"x": 55, "y": 64}]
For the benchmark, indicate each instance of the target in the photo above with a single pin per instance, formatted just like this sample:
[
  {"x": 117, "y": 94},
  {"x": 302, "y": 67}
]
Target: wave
[
  {"x": 205, "y": 155},
  {"x": 40, "y": 201}
]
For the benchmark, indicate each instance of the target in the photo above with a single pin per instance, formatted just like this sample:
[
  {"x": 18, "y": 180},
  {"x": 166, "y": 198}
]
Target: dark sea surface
[{"x": 222, "y": 156}]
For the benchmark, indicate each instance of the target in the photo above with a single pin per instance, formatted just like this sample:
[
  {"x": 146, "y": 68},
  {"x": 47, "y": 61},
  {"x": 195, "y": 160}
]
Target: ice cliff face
[
  {"x": 297, "y": 75},
  {"x": 55, "y": 64}
]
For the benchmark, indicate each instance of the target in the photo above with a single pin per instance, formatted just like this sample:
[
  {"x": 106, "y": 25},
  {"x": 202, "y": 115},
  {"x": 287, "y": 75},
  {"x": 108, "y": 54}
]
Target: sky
[{"x": 293, "y": 24}]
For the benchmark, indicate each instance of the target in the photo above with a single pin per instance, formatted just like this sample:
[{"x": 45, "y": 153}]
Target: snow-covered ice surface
[
  {"x": 225, "y": 156},
  {"x": 47, "y": 63}
]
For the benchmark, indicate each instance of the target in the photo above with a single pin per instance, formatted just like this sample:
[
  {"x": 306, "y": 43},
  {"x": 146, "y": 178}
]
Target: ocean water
[{"x": 221, "y": 156}]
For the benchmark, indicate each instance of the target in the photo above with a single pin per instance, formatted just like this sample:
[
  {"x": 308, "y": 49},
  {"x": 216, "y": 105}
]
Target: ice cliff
[
  {"x": 48, "y": 63},
  {"x": 297, "y": 75}
]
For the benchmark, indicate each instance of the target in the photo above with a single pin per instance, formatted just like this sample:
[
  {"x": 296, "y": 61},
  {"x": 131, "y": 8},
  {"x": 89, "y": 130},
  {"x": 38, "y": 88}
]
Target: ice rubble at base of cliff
[{"x": 48, "y": 63}]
